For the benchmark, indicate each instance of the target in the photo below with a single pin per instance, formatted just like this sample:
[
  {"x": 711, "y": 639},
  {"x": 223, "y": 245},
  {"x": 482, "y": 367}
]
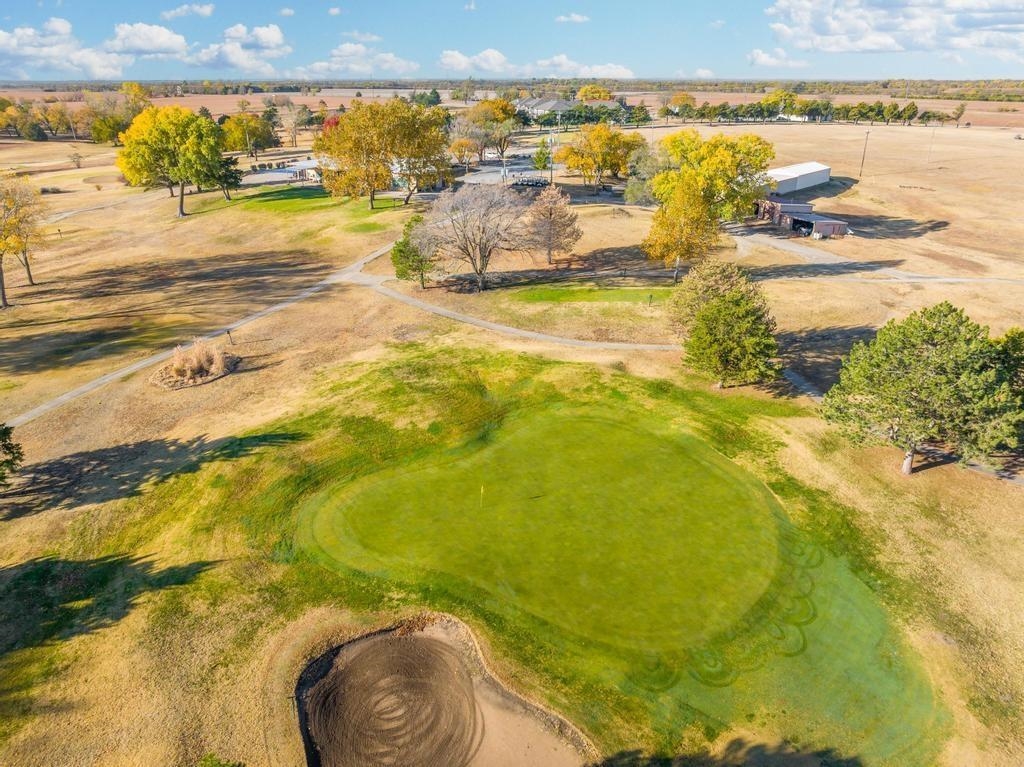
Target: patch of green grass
[
  {"x": 365, "y": 227},
  {"x": 7, "y": 385},
  {"x": 629, "y": 544},
  {"x": 560, "y": 294}
]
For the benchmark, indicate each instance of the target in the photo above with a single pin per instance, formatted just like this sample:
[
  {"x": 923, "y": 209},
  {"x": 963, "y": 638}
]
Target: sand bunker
[{"x": 423, "y": 697}]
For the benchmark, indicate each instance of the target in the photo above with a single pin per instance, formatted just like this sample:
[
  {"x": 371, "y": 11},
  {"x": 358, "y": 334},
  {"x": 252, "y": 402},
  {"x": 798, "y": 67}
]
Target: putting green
[
  {"x": 604, "y": 528},
  {"x": 644, "y": 572}
]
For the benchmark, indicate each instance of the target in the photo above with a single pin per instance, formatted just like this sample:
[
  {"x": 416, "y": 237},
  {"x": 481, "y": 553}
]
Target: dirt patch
[{"x": 420, "y": 695}]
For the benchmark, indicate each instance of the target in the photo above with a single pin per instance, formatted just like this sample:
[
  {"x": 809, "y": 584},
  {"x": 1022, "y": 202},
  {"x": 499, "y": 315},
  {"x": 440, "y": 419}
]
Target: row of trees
[
  {"x": 934, "y": 378},
  {"x": 104, "y": 116},
  {"x": 473, "y": 224}
]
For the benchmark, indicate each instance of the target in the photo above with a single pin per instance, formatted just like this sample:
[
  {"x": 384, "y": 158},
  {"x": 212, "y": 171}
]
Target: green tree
[
  {"x": 10, "y": 455},
  {"x": 212, "y": 760},
  {"x": 640, "y": 115},
  {"x": 958, "y": 113},
  {"x": 227, "y": 176},
  {"x": 731, "y": 338},
  {"x": 935, "y": 376},
  {"x": 168, "y": 146},
  {"x": 409, "y": 261},
  {"x": 542, "y": 157},
  {"x": 707, "y": 280}
]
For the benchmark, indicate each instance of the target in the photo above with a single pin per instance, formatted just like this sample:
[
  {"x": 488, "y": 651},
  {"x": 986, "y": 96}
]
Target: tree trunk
[
  {"x": 423, "y": 281},
  {"x": 549, "y": 252},
  {"x": 3, "y": 287},
  {"x": 170, "y": 188},
  {"x": 408, "y": 196},
  {"x": 28, "y": 267},
  {"x": 371, "y": 199},
  {"x": 481, "y": 282},
  {"x": 675, "y": 272},
  {"x": 908, "y": 460},
  {"x": 181, "y": 199},
  {"x": 227, "y": 194}
]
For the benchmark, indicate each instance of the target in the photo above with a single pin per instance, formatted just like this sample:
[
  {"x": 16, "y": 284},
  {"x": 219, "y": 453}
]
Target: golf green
[
  {"x": 598, "y": 525},
  {"x": 647, "y": 572}
]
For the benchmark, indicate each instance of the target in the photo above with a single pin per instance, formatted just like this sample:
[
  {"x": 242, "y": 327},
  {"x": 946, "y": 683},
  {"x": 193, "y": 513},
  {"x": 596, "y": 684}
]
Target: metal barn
[{"x": 794, "y": 178}]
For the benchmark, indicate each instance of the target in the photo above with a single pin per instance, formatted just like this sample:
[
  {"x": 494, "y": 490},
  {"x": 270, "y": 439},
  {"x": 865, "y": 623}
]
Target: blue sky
[{"x": 800, "y": 39}]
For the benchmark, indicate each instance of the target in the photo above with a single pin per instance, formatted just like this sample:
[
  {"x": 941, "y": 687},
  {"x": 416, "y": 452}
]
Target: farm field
[{"x": 183, "y": 554}]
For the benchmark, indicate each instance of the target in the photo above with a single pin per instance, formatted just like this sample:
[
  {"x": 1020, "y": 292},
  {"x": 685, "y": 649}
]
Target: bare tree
[
  {"x": 474, "y": 223},
  {"x": 553, "y": 223}
]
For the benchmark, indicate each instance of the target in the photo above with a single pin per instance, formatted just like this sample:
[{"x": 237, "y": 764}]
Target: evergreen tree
[
  {"x": 409, "y": 261},
  {"x": 935, "y": 376},
  {"x": 731, "y": 338}
]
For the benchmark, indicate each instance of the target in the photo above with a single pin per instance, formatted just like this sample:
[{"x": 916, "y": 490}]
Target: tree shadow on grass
[
  {"x": 891, "y": 227},
  {"x": 737, "y": 753},
  {"x": 817, "y": 353},
  {"x": 797, "y": 271},
  {"x": 46, "y": 601},
  {"x": 96, "y": 476},
  {"x": 50, "y": 599}
]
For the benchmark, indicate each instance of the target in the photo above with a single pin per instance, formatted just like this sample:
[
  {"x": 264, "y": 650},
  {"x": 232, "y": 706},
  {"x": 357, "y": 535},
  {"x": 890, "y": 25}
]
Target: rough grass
[{"x": 815, "y": 658}]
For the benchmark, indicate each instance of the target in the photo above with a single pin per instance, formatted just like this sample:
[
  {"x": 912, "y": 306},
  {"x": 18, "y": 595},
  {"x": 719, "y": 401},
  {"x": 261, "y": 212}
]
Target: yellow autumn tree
[
  {"x": 713, "y": 179},
  {"x": 599, "y": 150},
  {"x": 593, "y": 92}
]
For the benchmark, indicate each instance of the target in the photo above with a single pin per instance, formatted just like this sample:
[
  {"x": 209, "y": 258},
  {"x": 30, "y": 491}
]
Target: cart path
[{"x": 746, "y": 238}]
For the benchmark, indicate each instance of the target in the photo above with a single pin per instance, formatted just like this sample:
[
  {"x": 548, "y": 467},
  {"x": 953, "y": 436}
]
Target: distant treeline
[{"x": 954, "y": 90}]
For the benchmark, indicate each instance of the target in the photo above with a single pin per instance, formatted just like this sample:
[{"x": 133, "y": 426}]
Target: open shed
[{"x": 815, "y": 225}]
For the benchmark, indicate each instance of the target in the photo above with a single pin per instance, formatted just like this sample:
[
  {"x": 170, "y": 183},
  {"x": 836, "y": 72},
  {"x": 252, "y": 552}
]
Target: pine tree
[
  {"x": 731, "y": 338},
  {"x": 935, "y": 376},
  {"x": 554, "y": 222}
]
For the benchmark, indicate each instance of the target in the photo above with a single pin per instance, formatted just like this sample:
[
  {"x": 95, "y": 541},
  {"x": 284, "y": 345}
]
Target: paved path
[
  {"x": 353, "y": 274},
  {"x": 159, "y": 357},
  {"x": 747, "y": 237}
]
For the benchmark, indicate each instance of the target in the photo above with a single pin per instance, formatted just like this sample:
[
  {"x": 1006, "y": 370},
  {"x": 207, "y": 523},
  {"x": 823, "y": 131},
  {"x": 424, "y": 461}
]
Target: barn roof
[{"x": 794, "y": 171}]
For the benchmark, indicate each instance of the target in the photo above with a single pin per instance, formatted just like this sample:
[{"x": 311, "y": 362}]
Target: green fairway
[{"x": 564, "y": 294}]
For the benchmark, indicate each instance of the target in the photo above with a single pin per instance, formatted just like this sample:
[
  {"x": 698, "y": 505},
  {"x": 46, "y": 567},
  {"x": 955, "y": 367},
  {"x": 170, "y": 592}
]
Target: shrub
[{"x": 200, "y": 360}]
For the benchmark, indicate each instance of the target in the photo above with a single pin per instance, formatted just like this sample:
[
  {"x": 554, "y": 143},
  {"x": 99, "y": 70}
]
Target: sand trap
[{"x": 422, "y": 696}]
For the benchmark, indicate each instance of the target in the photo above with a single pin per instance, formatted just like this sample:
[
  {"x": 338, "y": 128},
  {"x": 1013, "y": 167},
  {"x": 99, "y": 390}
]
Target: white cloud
[
  {"x": 470, "y": 6},
  {"x": 495, "y": 62},
  {"x": 717, "y": 24},
  {"x": 572, "y": 18},
  {"x": 703, "y": 74},
  {"x": 362, "y": 37},
  {"x": 246, "y": 50},
  {"x": 27, "y": 51},
  {"x": 777, "y": 59},
  {"x": 358, "y": 59},
  {"x": 562, "y": 66},
  {"x": 488, "y": 60},
  {"x": 995, "y": 27},
  {"x": 287, "y": 11},
  {"x": 147, "y": 40},
  {"x": 335, "y": 11},
  {"x": 188, "y": 9}
]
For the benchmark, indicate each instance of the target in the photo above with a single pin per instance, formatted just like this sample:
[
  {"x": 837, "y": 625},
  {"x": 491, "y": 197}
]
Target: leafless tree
[
  {"x": 553, "y": 223},
  {"x": 471, "y": 225}
]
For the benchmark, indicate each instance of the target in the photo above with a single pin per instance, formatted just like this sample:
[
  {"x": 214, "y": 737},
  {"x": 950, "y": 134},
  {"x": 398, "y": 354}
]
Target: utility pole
[{"x": 863, "y": 156}]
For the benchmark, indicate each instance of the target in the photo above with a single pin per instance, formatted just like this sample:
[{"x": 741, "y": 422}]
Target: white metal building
[{"x": 804, "y": 175}]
